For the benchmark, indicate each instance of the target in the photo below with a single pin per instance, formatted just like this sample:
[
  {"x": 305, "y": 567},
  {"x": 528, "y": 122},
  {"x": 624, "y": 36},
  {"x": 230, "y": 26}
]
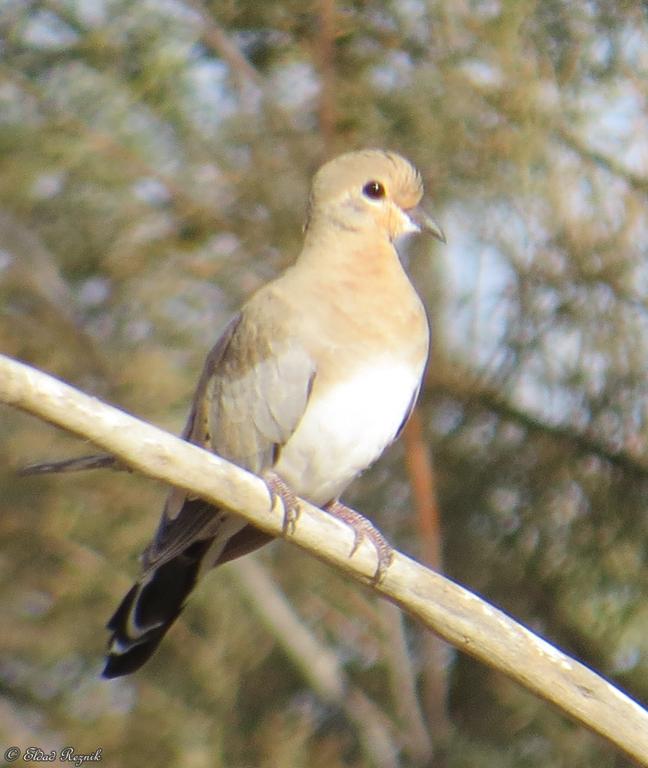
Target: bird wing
[{"x": 253, "y": 392}]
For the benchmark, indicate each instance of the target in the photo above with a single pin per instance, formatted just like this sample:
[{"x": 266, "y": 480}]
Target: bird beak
[{"x": 425, "y": 223}]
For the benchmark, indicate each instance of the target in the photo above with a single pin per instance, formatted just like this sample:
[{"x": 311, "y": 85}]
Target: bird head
[{"x": 371, "y": 190}]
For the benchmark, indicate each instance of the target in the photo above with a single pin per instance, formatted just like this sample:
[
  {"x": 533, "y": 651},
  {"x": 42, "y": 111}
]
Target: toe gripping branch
[
  {"x": 279, "y": 489},
  {"x": 363, "y": 529}
]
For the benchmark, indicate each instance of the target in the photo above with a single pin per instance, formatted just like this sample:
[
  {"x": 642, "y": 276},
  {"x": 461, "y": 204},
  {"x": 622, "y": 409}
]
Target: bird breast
[{"x": 345, "y": 428}]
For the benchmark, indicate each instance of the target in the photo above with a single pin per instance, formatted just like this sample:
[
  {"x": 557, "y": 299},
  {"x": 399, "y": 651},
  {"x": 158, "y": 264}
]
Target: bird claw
[
  {"x": 277, "y": 488},
  {"x": 364, "y": 529}
]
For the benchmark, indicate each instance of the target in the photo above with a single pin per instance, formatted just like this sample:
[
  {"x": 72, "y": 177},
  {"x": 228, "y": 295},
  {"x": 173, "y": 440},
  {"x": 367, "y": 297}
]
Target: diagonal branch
[
  {"x": 459, "y": 616},
  {"x": 467, "y": 386},
  {"x": 637, "y": 181},
  {"x": 216, "y": 38},
  {"x": 319, "y": 665}
]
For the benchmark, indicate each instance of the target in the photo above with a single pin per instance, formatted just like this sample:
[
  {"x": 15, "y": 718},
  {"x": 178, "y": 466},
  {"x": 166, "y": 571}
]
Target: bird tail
[
  {"x": 147, "y": 612},
  {"x": 149, "y": 609}
]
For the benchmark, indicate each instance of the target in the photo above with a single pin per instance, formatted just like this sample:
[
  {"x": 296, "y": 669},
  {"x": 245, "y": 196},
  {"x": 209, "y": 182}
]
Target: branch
[
  {"x": 317, "y": 663},
  {"x": 326, "y": 55},
  {"x": 434, "y": 652},
  {"x": 456, "y": 614},
  {"x": 608, "y": 162},
  {"x": 459, "y": 382},
  {"x": 218, "y": 41},
  {"x": 419, "y": 742},
  {"x": 108, "y": 145}
]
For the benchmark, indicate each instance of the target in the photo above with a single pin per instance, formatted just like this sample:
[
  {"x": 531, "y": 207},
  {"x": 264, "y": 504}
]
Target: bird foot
[
  {"x": 280, "y": 489},
  {"x": 364, "y": 529}
]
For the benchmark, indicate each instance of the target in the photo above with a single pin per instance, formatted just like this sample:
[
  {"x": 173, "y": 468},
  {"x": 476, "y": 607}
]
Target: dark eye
[{"x": 374, "y": 189}]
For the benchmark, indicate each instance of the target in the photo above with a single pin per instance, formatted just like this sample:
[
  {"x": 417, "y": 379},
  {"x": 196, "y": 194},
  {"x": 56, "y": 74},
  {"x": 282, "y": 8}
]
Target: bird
[{"x": 307, "y": 385}]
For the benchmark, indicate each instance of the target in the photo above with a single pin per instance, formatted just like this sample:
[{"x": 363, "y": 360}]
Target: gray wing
[{"x": 250, "y": 398}]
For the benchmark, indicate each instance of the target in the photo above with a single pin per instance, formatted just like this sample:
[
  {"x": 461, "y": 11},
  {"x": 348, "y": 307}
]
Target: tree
[{"x": 154, "y": 167}]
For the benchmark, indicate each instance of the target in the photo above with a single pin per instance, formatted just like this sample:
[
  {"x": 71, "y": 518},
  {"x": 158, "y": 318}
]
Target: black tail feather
[{"x": 149, "y": 609}]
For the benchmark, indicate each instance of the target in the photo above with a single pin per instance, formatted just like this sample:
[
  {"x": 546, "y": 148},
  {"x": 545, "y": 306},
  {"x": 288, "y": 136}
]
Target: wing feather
[{"x": 252, "y": 393}]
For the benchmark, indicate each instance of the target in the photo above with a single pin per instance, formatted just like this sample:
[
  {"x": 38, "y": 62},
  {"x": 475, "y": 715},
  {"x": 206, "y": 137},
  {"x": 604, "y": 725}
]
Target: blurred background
[{"x": 155, "y": 157}]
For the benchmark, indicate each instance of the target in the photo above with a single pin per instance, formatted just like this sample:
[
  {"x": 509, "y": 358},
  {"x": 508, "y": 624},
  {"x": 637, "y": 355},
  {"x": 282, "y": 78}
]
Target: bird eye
[{"x": 374, "y": 190}]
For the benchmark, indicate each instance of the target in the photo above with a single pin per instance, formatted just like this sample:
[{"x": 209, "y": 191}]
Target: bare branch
[
  {"x": 108, "y": 145},
  {"x": 317, "y": 663},
  {"x": 593, "y": 156},
  {"x": 459, "y": 616},
  {"x": 215, "y": 37},
  {"x": 435, "y": 652},
  {"x": 418, "y": 740},
  {"x": 421, "y": 476},
  {"x": 326, "y": 55},
  {"x": 458, "y": 382}
]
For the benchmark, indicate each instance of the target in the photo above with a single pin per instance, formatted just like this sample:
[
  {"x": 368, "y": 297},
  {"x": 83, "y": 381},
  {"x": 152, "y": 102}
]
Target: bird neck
[{"x": 348, "y": 253}]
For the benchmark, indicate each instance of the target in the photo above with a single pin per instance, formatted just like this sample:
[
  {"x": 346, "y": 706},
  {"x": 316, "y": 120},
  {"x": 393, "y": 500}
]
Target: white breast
[{"x": 346, "y": 428}]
